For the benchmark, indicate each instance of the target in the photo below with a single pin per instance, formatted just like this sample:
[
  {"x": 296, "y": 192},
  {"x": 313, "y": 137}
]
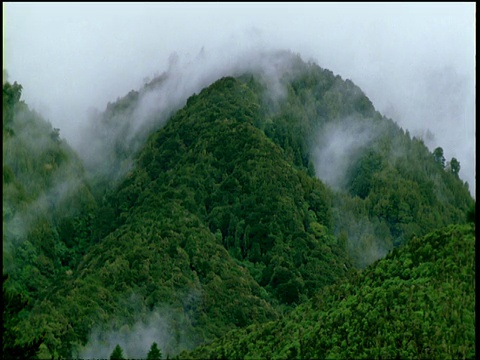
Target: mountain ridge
[{"x": 221, "y": 219}]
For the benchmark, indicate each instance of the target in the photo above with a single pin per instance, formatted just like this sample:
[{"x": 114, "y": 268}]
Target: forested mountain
[
  {"x": 44, "y": 191},
  {"x": 250, "y": 201},
  {"x": 417, "y": 302}
]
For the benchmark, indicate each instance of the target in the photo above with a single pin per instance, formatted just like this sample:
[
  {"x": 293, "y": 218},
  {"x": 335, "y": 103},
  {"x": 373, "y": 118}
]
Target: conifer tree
[
  {"x": 117, "y": 353},
  {"x": 438, "y": 156},
  {"x": 155, "y": 353}
]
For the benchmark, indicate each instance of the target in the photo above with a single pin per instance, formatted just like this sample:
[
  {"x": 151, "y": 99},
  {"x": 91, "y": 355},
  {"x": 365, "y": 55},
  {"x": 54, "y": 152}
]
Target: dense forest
[
  {"x": 417, "y": 302},
  {"x": 295, "y": 222}
]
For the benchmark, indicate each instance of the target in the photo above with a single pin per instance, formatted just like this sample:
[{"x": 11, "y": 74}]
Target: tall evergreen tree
[
  {"x": 454, "y": 166},
  {"x": 117, "y": 353},
  {"x": 438, "y": 156},
  {"x": 155, "y": 353}
]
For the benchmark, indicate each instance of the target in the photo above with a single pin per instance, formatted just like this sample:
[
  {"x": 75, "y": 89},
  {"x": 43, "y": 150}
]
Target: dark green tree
[
  {"x": 438, "y": 156},
  {"x": 155, "y": 353},
  {"x": 454, "y": 166},
  {"x": 471, "y": 214},
  {"x": 55, "y": 135},
  {"x": 117, "y": 353},
  {"x": 12, "y": 92},
  {"x": 11, "y": 96}
]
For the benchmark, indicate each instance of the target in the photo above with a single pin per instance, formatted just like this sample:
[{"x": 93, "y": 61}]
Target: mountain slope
[
  {"x": 213, "y": 223},
  {"x": 250, "y": 201},
  {"x": 44, "y": 188},
  {"x": 45, "y": 194},
  {"x": 388, "y": 185},
  {"x": 417, "y": 302}
]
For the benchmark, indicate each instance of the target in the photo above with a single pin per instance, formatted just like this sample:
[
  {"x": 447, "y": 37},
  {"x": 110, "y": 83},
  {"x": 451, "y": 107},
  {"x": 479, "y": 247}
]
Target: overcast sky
[{"x": 416, "y": 62}]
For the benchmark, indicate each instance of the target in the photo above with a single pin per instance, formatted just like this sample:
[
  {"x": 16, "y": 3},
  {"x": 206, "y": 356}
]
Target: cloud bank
[{"x": 416, "y": 62}]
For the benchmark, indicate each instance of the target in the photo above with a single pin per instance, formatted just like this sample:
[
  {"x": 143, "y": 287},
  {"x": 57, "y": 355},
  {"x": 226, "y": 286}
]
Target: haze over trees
[{"x": 273, "y": 210}]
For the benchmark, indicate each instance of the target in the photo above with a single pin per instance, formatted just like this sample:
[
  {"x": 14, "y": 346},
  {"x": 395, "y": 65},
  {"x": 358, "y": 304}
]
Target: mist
[
  {"x": 170, "y": 325},
  {"x": 414, "y": 61},
  {"x": 103, "y": 137},
  {"x": 136, "y": 340},
  {"x": 338, "y": 146},
  {"x": 37, "y": 191}
]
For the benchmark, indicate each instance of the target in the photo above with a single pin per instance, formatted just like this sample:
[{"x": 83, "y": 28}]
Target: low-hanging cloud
[
  {"x": 168, "y": 325},
  {"x": 337, "y": 147},
  {"x": 364, "y": 245},
  {"x": 135, "y": 340},
  {"x": 34, "y": 149},
  {"x": 73, "y": 56},
  {"x": 98, "y": 141}
]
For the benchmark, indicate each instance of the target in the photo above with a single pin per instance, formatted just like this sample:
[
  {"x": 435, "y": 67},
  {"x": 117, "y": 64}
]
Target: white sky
[{"x": 416, "y": 62}]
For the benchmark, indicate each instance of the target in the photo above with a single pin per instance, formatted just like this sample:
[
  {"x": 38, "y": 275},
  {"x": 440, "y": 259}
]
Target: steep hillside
[
  {"x": 44, "y": 189},
  {"x": 418, "y": 302},
  {"x": 259, "y": 194},
  {"x": 213, "y": 223},
  {"x": 45, "y": 197},
  {"x": 388, "y": 185}
]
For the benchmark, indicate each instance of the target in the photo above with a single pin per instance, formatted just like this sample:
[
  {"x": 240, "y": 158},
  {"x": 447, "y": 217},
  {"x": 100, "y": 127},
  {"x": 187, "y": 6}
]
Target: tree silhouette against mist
[
  {"x": 155, "y": 353},
  {"x": 454, "y": 166},
  {"x": 438, "y": 156},
  {"x": 117, "y": 353}
]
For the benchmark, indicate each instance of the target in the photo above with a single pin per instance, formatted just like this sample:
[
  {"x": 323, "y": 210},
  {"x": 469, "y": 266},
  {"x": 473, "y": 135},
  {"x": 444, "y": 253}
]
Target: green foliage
[
  {"x": 11, "y": 97},
  {"x": 438, "y": 157},
  {"x": 117, "y": 353},
  {"x": 363, "y": 172},
  {"x": 454, "y": 166},
  {"x": 44, "y": 187},
  {"x": 221, "y": 223},
  {"x": 402, "y": 190},
  {"x": 12, "y": 348},
  {"x": 154, "y": 353},
  {"x": 251, "y": 213},
  {"x": 418, "y": 302}
]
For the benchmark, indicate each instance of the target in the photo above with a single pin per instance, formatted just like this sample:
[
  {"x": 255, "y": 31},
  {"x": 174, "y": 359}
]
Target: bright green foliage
[
  {"x": 13, "y": 304},
  {"x": 217, "y": 234},
  {"x": 155, "y": 353},
  {"x": 117, "y": 353},
  {"x": 393, "y": 187},
  {"x": 262, "y": 206},
  {"x": 221, "y": 223},
  {"x": 418, "y": 302}
]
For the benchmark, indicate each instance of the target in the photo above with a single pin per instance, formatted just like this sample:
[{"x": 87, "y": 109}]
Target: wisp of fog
[{"x": 416, "y": 62}]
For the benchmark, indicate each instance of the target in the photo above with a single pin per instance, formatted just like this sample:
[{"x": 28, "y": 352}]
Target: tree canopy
[
  {"x": 223, "y": 223},
  {"x": 154, "y": 353}
]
